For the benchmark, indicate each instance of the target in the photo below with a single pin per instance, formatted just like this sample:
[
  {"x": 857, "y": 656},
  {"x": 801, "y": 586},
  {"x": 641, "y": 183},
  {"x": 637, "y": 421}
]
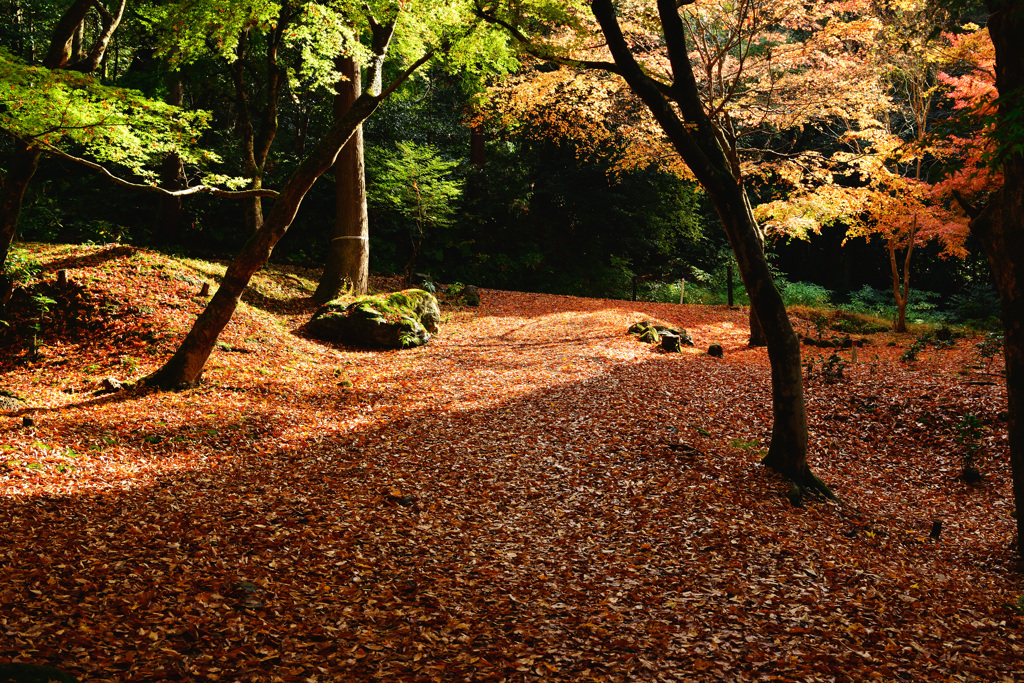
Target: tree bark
[
  {"x": 256, "y": 147},
  {"x": 694, "y": 136},
  {"x": 348, "y": 256},
  {"x": 478, "y": 147},
  {"x": 1000, "y": 229},
  {"x": 901, "y": 285}
]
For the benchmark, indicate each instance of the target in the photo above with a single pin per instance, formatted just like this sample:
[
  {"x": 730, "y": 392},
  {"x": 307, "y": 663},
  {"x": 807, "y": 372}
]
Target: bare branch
[{"x": 195, "y": 189}]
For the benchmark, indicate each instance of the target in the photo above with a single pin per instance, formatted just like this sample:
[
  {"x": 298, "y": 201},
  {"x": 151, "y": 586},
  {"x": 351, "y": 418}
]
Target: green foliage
[
  {"x": 912, "y": 351},
  {"x": 990, "y": 347},
  {"x": 831, "y": 368},
  {"x": 922, "y": 307},
  {"x": 21, "y": 269},
  {"x": 969, "y": 433},
  {"x": 978, "y": 305},
  {"x": 415, "y": 184},
  {"x": 804, "y": 294},
  {"x": 73, "y": 111}
]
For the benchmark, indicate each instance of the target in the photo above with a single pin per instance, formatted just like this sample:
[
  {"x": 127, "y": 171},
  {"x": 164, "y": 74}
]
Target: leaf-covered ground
[{"x": 535, "y": 495}]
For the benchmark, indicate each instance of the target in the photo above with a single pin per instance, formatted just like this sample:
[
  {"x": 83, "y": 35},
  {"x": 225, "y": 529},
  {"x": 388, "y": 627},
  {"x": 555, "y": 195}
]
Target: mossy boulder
[
  {"x": 670, "y": 338},
  {"x": 392, "y": 321}
]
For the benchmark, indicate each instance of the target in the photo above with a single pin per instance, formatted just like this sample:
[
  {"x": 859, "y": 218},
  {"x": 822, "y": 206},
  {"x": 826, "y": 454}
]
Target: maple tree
[
  {"x": 875, "y": 184},
  {"x": 60, "y": 56},
  {"x": 693, "y": 115},
  {"x": 59, "y": 106},
  {"x": 418, "y": 185}
]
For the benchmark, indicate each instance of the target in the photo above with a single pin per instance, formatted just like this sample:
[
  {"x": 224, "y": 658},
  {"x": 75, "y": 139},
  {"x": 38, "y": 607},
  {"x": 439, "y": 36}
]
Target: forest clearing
[{"x": 533, "y": 495}]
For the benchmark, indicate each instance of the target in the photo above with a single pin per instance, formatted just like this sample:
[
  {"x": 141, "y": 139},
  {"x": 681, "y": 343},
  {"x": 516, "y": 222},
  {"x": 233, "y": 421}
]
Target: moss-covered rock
[
  {"x": 651, "y": 333},
  {"x": 393, "y": 321}
]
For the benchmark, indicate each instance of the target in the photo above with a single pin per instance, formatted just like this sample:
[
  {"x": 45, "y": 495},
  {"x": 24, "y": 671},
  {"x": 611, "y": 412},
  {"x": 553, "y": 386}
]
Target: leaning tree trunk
[
  {"x": 787, "y": 453},
  {"x": 185, "y": 367},
  {"x": 1000, "y": 229},
  {"x": 348, "y": 256}
]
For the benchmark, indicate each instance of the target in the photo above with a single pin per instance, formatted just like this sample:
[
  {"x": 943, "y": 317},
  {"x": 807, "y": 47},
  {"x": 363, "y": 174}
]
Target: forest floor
[{"x": 534, "y": 495}]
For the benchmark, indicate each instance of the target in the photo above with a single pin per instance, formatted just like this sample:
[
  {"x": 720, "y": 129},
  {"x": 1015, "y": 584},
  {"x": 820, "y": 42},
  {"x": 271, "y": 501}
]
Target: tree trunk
[
  {"x": 1000, "y": 229},
  {"x": 478, "y": 147},
  {"x": 757, "y": 336},
  {"x": 15, "y": 182},
  {"x": 787, "y": 453},
  {"x": 185, "y": 367},
  {"x": 348, "y": 256},
  {"x": 700, "y": 144},
  {"x": 172, "y": 177},
  {"x": 901, "y": 285}
]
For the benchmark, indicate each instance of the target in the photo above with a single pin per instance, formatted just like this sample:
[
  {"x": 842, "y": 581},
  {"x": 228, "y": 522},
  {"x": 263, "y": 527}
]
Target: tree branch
[
  {"x": 538, "y": 51},
  {"x": 195, "y": 189},
  {"x": 971, "y": 210}
]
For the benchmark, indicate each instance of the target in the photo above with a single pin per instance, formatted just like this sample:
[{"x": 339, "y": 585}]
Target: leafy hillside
[{"x": 533, "y": 495}]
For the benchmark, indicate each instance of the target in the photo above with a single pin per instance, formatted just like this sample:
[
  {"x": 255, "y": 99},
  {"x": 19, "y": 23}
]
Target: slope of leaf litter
[{"x": 533, "y": 496}]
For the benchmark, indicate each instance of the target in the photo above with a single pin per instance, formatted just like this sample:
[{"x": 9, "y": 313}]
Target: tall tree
[
  {"x": 999, "y": 224},
  {"x": 348, "y": 255},
  {"x": 433, "y": 27}
]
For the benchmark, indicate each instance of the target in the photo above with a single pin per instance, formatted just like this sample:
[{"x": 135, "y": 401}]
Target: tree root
[{"x": 807, "y": 483}]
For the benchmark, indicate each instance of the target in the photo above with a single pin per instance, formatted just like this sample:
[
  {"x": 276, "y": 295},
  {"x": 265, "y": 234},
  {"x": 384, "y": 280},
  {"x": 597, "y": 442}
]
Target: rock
[
  {"x": 650, "y": 333},
  {"x": 471, "y": 295},
  {"x": 670, "y": 342},
  {"x": 716, "y": 351},
  {"x": 684, "y": 338},
  {"x": 645, "y": 331},
  {"x": 393, "y": 321}
]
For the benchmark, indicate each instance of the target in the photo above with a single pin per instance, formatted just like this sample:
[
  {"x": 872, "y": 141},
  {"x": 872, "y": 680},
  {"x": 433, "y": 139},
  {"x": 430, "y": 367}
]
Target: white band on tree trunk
[{"x": 349, "y": 237}]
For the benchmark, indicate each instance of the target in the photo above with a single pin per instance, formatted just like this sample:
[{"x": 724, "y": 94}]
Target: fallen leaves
[{"x": 534, "y": 495}]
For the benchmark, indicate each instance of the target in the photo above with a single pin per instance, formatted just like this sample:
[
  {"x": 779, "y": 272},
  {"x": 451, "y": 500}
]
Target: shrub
[{"x": 804, "y": 294}]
